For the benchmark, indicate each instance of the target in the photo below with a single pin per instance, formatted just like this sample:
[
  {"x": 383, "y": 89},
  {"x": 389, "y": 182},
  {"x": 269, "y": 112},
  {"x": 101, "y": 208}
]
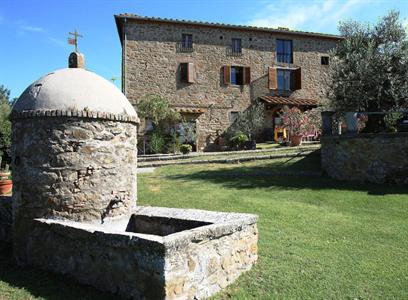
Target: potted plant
[
  {"x": 294, "y": 119},
  {"x": 6, "y": 183}
]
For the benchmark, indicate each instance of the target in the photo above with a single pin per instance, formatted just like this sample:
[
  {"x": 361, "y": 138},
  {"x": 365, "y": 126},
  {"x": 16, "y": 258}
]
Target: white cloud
[
  {"x": 31, "y": 28},
  {"x": 300, "y": 15}
]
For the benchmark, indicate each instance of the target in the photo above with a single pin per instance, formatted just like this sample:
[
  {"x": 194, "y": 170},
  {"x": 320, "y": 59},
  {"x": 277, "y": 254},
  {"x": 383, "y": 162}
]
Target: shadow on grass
[
  {"x": 289, "y": 174},
  {"x": 29, "y": 282}
]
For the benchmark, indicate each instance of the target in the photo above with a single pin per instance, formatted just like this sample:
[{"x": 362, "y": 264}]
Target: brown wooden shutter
[
  {"x": 297, "y": 79},
  {"x": 227, "y": 74},
  {"x": 247, "y": 75},
  {"x": 190, "y": 73},
  {"x": 273, "y": 82}
]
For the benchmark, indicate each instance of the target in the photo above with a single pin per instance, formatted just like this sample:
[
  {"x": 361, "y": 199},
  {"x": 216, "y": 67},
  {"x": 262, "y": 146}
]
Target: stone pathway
[{"x": 145, "y": 170}]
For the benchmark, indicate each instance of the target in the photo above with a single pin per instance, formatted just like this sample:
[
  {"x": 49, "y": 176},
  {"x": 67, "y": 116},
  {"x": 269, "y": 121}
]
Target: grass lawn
[{"x": 319, "y": 238}]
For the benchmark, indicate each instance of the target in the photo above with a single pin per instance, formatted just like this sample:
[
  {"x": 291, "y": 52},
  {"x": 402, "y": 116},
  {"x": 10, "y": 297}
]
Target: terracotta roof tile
[
  {"x": 231, "y": 26},
  {"x": 289, "y": 101}
]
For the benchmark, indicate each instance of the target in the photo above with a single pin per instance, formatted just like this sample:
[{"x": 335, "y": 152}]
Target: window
[
  {"x": 284, "y": 53},
  {"x": 325, "y": 60},
  {"x": 284, "y": 80},
  {"x": 186, "y": 42},
  {"x": 236, "y": 46},
  {"x": 187, "y": 72},
  {"x": 237, "y": 75},
  {"x": 233, "y": 117}
]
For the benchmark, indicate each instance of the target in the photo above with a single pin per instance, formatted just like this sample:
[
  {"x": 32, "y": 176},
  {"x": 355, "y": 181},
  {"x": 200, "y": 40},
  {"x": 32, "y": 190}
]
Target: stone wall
[
  {"x": 189, "y": 264},
  {"x": 152, "y": 62},
  {"x": 378, "y": 158},
  {"x": 70, "y": 168}
]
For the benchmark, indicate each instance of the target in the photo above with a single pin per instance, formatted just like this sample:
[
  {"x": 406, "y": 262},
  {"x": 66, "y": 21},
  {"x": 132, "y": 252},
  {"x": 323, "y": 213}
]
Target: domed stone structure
[
  {"x": 74, "y": 151},
  {"x": 74, "y": 200}
]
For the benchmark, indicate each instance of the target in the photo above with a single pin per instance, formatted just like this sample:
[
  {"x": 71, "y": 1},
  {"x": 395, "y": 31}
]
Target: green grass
[{"x": 319, "y": 238}]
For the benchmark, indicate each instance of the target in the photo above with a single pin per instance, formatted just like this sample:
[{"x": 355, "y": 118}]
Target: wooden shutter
[
  {"x": 297, "y": 79},
  {"x": 190, "y": 73},
  {"x": 227, "y": 74},
  {"x": 273, "y": 82},
  {"x": 247, "y": 75}
]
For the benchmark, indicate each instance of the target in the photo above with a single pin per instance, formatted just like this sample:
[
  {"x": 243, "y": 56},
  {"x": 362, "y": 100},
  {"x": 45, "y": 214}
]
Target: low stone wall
[
  {"x": 378, "y": 158},
  {"x": 188, "y": 264}
]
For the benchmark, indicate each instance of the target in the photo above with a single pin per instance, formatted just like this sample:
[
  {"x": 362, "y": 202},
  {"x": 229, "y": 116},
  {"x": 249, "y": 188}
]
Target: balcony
[
  {"x": 232, "y": 51},
  {"x": 184, "y": 47}
]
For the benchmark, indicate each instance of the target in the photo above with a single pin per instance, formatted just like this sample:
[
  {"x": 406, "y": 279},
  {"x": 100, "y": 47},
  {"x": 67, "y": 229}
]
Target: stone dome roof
[{"x": 74, "y": 89}]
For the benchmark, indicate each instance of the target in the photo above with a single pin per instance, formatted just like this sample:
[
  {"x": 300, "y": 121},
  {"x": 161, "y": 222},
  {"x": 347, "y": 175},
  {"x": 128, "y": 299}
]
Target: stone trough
[
  {"x": 160, "y": 253},
  {"x": 74, "y": 199}
]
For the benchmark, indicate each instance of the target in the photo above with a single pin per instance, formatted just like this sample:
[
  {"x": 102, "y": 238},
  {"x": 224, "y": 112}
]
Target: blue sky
[{"x": 34, "y": 33}]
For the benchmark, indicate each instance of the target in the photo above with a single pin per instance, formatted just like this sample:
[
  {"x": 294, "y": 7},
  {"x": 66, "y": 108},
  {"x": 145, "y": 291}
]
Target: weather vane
[{"x": 74, "y": 40}]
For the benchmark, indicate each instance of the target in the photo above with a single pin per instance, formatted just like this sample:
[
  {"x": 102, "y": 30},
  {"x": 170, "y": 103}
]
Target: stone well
[{"x": 74, "y": 200}]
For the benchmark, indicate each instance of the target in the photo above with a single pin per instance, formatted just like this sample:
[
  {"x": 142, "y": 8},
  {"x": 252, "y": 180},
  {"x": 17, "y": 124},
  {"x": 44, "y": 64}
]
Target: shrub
[
  {"x": 238, "y": 140},
  {"x": 186, "y": 148},
  {"x": 157, "y": 142}
]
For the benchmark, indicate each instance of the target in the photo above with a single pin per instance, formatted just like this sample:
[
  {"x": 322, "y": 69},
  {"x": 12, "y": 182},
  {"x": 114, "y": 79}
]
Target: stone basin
[{"x": 156, "y": 253}]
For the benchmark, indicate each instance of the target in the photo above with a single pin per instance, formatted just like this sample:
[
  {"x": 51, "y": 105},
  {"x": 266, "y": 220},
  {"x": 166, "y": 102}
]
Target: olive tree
[
  {"x": 5, "y": 124},
  {"x": 369, "y": 68}
]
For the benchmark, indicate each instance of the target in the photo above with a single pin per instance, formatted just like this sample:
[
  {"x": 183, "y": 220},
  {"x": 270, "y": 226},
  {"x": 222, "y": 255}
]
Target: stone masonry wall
[
  {"x": 202, "y": 268},
  {"x": 152, "y": 67},
  {"x": 378, "y": 158},
  {"x": 184, "y": 265},
  {"x": 67, "y": 168}
]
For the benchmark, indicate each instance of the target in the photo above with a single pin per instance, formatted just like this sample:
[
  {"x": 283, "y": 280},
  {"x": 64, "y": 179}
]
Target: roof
[
  {"x": 289, "y": 101},
  {"x": 74, "y": 89},
  {"x": 190, "y": 110},
  {"x": 121, "y": 17}
]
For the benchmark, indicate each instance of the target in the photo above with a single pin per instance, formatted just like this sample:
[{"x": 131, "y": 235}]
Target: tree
[
  {"x": 251, "y": 120},
  {"x": 369, "y": 68},
  {"x": 5, "y": 124},
  {"x": 158, "y": 110}
]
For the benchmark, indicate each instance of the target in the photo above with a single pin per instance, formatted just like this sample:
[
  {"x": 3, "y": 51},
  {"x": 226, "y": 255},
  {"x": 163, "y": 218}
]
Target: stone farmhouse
[{"x": 210, "y": 72}]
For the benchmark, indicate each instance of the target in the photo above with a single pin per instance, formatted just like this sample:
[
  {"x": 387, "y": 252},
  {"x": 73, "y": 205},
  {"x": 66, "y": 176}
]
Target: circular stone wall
[{"x": 73, "y": 168}]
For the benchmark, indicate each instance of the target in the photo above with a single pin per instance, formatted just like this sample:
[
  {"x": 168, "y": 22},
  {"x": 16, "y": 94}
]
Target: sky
[{"x": 34, "y": 32}]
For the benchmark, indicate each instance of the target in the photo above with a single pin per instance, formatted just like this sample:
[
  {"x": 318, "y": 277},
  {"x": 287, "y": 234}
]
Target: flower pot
[
  {"x": 5, "y": 186},
  {"x": 295, "y": 140}
]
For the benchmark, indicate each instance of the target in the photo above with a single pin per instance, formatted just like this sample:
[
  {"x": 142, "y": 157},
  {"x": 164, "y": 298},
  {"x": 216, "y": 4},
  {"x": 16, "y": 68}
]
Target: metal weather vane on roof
[{"x": 74, "y": 40}]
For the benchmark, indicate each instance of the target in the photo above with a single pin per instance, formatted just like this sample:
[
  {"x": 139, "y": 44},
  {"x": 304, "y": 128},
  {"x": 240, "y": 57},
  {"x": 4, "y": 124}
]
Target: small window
[
  {"x": 237, "y": 75},
  {"x": 233, "y": 117},
  {"x": 236, "y": 46},
  {"x": 186, "y": 41},
  {"x": 284, "y": 80},
  {"x": 284, "y": 51},
  {"x": 325, "y": 60}
]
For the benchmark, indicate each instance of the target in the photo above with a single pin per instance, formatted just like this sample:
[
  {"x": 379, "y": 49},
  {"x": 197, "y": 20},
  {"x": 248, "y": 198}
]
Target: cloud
[
  {"x": 300, "y": 15},
  {"x": 31, "y": 28}
]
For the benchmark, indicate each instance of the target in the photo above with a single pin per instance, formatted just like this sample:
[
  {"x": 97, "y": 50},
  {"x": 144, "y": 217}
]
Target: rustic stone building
[{"x": 210, "y": 72}]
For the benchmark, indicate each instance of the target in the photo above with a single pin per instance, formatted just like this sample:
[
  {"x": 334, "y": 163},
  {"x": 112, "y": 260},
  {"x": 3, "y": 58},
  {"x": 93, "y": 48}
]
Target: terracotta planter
[
  {"x": 295, "y": 140},
  {"x": 5, "y": 186}
]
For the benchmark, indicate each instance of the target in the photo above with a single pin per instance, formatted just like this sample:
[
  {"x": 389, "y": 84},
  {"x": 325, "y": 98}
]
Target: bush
[
  {"x": 157, "y": 142},
  {"x": 238, "y": 140},
  {"x": 186, "y": 148}
]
